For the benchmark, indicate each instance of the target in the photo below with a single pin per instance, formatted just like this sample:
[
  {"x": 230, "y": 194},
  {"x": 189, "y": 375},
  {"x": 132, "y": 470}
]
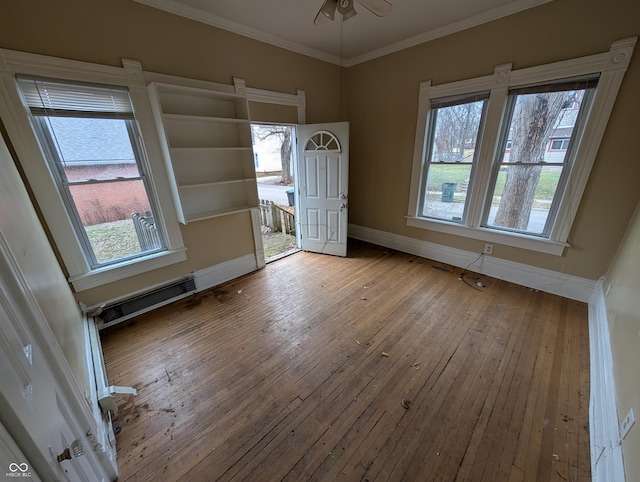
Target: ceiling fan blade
[
  {"x": 326, "y": 12},
  {"x": 378, "y": 7},
  {"x": 321, "y": 18}
]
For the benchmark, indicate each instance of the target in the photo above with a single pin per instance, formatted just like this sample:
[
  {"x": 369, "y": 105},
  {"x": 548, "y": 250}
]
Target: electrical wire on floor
[{"x": 464, "y": 271}]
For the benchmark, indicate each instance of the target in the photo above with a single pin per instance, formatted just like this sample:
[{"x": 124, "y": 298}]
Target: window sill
[
  {"x": 530, "y": 243},
  {"x": 109, "y": 274}
]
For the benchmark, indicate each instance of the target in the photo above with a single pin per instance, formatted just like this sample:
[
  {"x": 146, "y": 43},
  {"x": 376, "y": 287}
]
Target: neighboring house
[
  {"x": 104, "y": 153},
  {"x": 559, "y": 138}
]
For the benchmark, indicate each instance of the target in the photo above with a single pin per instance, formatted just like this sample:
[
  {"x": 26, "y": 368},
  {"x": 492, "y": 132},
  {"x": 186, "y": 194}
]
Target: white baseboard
[
  {"x": 222, "y": 272},
  {"x": 606, "y": 452},
  {"x": 568, "y": 286}
]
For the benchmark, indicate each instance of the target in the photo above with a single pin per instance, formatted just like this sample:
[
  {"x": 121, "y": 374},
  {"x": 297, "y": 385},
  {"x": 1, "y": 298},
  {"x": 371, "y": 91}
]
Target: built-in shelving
[{"x": 206, "y": 139}]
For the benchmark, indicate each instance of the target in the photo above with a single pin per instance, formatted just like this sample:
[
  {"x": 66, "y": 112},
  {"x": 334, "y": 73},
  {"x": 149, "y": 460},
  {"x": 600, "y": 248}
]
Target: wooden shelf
[
  {"x": 199, "y": 118},
  {"x": 220, "y": 212},
  {"x": 224, "y": 181},
  {"x": 206, "y": 139}
]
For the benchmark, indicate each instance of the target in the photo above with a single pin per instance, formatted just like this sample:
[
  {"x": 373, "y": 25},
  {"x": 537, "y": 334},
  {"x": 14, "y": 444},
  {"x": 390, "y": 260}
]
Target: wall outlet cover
[{"x": 627, "y": 423}]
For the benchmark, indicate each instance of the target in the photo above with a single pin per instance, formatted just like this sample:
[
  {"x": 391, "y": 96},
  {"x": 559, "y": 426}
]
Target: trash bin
[
  {"x": 448, "y": 188},
  {"x": 290, "y": 196}
]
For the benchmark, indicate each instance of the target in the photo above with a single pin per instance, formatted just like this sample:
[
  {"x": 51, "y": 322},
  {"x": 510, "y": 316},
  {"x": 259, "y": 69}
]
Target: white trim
[
  {"x": 50, "y": 202},
  {"x": 204, "y": 279},
  {"x": 112, "y": 301},
  {"x": 271, "y": 97},
  {"x": 298, "y": 100},
  {"x": 220, "y": 273},
  {"x": 480, "y": 19},
  {"x": 201, "y": 16},
  {"x": 80, "y": 409},
  {"x": 159, "y": 78},
  {"x": 142, "y": 311},
  {"x": 109, "y": 274},
  {"x": 207, "y": 18},
  {"x": 516, "y": 240},
  {"x": 58, "y": 68},
  {"x": 240, "y": 86},
  {"x": 153, "y": 157},
  {"x": 561, "y": 284},
  {"x": 606, "y": 451},
  {"x": 105, "y": 437},
  {"x": 24, "y": 141},
  {"x": 611, "y": 66}
]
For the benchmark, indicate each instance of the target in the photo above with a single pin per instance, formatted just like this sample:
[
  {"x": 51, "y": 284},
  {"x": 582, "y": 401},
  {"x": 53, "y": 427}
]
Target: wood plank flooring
[{"x": 282, "y": 375}]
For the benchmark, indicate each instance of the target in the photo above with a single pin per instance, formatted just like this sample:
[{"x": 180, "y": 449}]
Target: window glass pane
[
  {"x": 93, "y": 148},
  {"x": 447, "y": 191},
  {"x": 456, "y": 132},
  {"x": 530, "y": 171},
  {"x": 451, "y": 153},
  {"x": 106, "y": 211},
  {"x": 545, "y": 189}
]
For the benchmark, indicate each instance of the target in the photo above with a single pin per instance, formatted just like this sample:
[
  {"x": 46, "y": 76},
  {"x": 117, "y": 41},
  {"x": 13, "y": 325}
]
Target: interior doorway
[{"x": 274, "y": 160}]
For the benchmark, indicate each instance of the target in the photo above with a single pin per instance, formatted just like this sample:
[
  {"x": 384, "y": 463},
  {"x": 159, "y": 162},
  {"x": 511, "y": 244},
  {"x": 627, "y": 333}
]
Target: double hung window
[
  {"x": 88, "y": 146},
  {"x": 505, "y": 158},
  {"x": 527, "y": 182},
  {"x": 453, "y": 132},
  {"x": 91, "y": 143}
]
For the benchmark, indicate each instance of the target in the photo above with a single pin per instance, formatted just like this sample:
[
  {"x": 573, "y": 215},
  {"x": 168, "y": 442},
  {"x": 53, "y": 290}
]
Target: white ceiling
[{"x": 289, "y": 23}]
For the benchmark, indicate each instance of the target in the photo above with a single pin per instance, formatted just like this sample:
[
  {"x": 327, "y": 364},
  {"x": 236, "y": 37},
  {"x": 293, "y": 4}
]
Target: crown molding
[
  {"x": 455, "y": 27},
  {"x": 201, "y": 16}
]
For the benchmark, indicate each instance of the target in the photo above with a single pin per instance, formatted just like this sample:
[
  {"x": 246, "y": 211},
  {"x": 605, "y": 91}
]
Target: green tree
[
  {"x": 534, "y": 118},
  {"x": 283, "y": 134}
]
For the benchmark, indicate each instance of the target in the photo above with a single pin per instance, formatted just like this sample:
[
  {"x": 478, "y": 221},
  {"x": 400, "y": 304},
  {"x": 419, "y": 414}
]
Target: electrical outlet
[
  {"x": 488, "y": 249},
  {"x": 627, "y": 423}
]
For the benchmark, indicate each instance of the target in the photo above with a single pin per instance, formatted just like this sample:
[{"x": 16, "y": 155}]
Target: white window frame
[
  {"x": 17, "y": 123},
  {"x": 610, "y": 66},
  {"x": 430, "y": 138}
]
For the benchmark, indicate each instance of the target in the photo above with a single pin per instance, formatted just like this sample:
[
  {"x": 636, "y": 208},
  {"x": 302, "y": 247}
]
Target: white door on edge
[
  {"x": 323, "y": 180},
  {"x": 33, "y": 407}
]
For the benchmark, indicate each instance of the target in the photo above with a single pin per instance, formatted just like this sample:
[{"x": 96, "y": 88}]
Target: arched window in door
[{"x": 323, "y": 141}]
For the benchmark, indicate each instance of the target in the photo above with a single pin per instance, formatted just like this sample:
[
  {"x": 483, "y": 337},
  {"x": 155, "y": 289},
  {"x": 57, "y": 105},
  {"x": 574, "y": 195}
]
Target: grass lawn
[
  {"x": 439, "y": 174},
  {"x": 113, "y": 240}
]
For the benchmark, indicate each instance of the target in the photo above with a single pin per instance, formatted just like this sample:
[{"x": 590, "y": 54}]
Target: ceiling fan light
[
  {"x": 328, "y": 8},
  {"x": 349, "y": 13},
  {"x": 345, "y": 6}
]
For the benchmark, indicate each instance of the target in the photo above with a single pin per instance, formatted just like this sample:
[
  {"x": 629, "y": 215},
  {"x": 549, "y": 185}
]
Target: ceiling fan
[{"x": 345, "y": 7}]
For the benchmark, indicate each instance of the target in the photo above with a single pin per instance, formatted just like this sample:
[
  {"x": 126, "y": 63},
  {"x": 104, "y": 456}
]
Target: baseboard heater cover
[{"x": 137, "y": 305}]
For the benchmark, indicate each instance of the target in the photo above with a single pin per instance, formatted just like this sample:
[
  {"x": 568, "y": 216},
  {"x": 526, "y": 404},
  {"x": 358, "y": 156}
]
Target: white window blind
[{"x": 51, "y": 98}]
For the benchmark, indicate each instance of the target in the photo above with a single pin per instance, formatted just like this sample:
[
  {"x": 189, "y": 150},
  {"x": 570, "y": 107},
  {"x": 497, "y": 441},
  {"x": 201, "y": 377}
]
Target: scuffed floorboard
[{"x": 280, "y": 375}]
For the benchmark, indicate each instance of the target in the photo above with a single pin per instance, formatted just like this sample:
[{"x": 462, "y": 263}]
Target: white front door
[{"x": 323, "y": 180}]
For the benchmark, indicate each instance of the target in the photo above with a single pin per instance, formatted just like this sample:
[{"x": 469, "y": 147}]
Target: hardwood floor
[{"x": 283, "y": 375}]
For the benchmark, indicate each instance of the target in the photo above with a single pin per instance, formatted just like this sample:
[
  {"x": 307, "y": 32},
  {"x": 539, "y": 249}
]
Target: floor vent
[{"x": 126, "y": 309}]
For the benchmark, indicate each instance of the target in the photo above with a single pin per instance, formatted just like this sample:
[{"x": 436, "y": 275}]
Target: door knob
[
  {"x": 343, "y": 205},
  {"x": 76, "y": 450}
]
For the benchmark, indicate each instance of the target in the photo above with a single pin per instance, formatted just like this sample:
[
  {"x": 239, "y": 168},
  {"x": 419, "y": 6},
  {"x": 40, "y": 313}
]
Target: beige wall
[
  {"x": 30, "y": 247},
  {"x": 104, "y": 32},
  {"x": 623, "y": 313},
  {"x": 382, "y": 107},
  {"x": 383, "y": 103}
]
